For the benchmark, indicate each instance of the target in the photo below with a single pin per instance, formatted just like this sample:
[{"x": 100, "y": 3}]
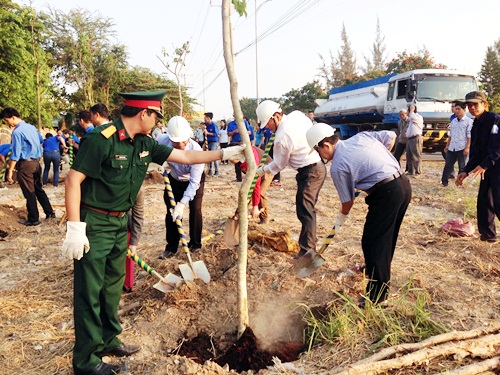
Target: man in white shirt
[
  {"x": 414, "y": 142},
  {"x": 458, "y": 143},
  {"x": 291, "y": 149},
  {"x": 187, "y": 181}
]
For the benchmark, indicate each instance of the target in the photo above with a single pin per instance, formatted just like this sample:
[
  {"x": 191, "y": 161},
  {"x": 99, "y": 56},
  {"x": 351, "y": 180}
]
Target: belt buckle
[{"x": 121, "y": 214}]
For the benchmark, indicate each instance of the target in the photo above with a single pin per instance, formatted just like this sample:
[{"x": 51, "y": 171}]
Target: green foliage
[
  {"x": 341, "y": 70},
  {"x": 240, "y": 6},
  {"x": 405, "y": 61},
  {"x": 20, "y": 54},
  {"x": 401, "y": 320},
  {"x": 303, "y": 99},
  {"x": 489, "y": 76},
  {"x": 174, "y": 63},
  {"x": 376, "y": 65},
  {"x": 248, "y": 107}
]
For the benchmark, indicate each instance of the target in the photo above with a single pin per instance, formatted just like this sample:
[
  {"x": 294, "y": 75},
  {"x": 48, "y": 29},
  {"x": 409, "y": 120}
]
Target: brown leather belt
[
  {"x": 383, "y": 182},
  {"x": 104, "y": 212}
]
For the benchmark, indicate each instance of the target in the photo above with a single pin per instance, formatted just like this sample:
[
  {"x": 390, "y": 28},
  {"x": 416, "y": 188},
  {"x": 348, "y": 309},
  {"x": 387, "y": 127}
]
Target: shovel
[
  {"x": 166, "y": 284},
  {"x": 312, "y": 260},
  {"x": 231, "y": 228},
  {"x": 196, "y": 269}
]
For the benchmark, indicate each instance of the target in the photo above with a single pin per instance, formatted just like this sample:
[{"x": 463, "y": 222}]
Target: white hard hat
[
  {"x": 178, "y": 129},
  {"x": 317, "y": 133},
  {"x": 266, "y": 110}
]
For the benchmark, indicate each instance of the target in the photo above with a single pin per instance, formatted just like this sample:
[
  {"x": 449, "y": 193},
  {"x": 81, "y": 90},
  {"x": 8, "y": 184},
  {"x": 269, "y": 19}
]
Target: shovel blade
[
  {"x": 168, "y": 283},
  {"x": 308, "y": 264},
  {"x": 187, "y": 272},
  {"x": 201, "y": 271},
  {"x": 231, "y": 232}
]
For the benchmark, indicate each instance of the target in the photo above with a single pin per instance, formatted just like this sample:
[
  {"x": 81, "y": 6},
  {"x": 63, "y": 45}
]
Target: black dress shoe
[
  {"x": 102, "y": 369},
  {"x": 166, "y": 254},
  {"x": 30, "y": 223},
  {"x": 123, "y": 350},
  {"x": 50, "y": 216}
]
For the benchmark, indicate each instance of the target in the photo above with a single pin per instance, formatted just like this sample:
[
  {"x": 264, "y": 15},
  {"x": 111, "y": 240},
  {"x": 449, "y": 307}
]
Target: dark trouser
[
  {"x": 222, "y": 146},
  {"x": 277, "y": 176},
  {"x": 195, "y": 215},
  {"x": 309, "y": 182},
  {"x": 387, "y": 205},
  {"x": 414, "y": 148},
  {"x": 98, "y": 282},
  {"x": 54, "y": 158},
  {"x": 29, "y": 176},
  {"x": 237, "y": 166},
  {"x": 450, "y": 159},
  {"x": 399, "y": 150},
  {"x": 488, "y": 202}
]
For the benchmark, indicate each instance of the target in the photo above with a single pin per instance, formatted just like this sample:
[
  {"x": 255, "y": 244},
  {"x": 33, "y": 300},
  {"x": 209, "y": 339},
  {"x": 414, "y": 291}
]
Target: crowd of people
[{"x": 104, "y": 199}]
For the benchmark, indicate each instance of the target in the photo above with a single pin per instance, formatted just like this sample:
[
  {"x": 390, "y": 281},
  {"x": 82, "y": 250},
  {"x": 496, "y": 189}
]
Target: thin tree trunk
[{"x": 243, "y": 320}]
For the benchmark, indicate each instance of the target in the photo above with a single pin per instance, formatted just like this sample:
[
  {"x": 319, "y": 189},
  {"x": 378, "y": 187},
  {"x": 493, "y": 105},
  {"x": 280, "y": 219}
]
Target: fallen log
[
  {"x": 434, "y": 340},
  {"x": 483, "y": 347},
  {"x": 476, "y": 368}
]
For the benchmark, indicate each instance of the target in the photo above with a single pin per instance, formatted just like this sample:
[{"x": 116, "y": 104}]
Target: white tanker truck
[{"x": 375, "y": 104}]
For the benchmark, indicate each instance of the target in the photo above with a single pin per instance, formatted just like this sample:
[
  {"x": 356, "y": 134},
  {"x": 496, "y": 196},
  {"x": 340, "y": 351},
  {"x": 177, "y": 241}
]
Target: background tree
[
  {"x": 489, "y": 76},
  {"x": 21, "y": 57},
  {"x": 303, "y": 99},
  {"x": 248, "y": 107},
  {"x": 79, "y": 43},
  {"x": 340, "y": 70},
  {"x": 404, "y": 62},
  {"x": 375, "y": 65},
  {"x": 174, "y": 62}
]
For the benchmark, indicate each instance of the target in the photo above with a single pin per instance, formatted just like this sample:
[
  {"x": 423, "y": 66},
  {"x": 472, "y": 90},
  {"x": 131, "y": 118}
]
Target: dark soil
[{"x": 243, "y": 355}]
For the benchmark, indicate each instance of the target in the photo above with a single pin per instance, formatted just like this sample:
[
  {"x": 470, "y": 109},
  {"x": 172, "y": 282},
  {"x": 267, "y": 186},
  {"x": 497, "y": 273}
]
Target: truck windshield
[{"x": 444, "y": 88}]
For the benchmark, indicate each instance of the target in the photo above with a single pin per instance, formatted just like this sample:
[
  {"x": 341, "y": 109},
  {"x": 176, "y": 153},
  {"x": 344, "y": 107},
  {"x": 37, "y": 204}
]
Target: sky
[{"x": 294, "y": 35}]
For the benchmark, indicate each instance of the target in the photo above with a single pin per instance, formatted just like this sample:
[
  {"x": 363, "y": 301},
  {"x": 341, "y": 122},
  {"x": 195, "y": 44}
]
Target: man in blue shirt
[
  {"x": 212, "y": 134},
  {"x": 26, "y": 150},
  {"x": 234, "y": 133}
]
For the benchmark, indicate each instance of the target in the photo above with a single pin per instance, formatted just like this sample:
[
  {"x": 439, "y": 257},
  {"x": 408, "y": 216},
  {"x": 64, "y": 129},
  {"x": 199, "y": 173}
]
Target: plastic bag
[{"x": 458, "y": 228}]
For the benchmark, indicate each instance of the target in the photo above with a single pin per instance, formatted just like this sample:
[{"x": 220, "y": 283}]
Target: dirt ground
[{"x": 462, "y": 276}]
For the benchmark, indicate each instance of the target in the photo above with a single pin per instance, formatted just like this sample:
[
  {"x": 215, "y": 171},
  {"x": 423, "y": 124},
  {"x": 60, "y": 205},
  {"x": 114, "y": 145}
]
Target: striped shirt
[
  {"x": 359, "y": 163},
  {"x": 459, "y": 133}
]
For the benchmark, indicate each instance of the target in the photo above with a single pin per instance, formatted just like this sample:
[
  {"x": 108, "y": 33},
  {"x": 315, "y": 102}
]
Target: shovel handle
[
  {"x": 261, "y": 164},
  {"x": 178, "y": 222},
  {"x": 218, "y": 232},
  {"x": 330, "y": 236},
  {"x": 146, "y": 267}
]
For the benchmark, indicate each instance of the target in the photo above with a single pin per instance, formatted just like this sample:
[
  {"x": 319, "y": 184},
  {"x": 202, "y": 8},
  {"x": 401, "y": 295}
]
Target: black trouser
[
  {"x": 309, "y": 182},
  {"x": 29, "y": 176},
  {"x": 195, "y": 215},
  {"x": 488, "y": 202},
  {"x": 399, "y": 150},
  {"x": 387, "y": 206},
  {"x": 277, "y": 176},
  {"x": 237, "y": 166}
]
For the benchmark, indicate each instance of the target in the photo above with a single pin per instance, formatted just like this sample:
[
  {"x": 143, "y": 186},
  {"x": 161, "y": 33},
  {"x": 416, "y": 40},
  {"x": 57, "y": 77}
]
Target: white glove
[
  {"x": 233, "y": 153},
  {"x": 260, "y": 171},
  {"x": 341, "y": 219},
  {"x": 178, "y": 211},
  {"x": 76, "y": 241}
]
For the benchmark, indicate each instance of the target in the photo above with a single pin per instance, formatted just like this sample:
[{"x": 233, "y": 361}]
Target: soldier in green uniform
[{"x": 101, "y": 187}]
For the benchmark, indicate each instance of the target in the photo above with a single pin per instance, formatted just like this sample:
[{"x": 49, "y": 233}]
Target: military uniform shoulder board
[{"x": 109, "y": 131}]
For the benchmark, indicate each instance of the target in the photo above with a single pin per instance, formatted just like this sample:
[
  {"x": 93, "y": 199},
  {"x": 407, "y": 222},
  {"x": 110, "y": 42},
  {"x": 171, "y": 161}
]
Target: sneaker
[
  {"x": 275, "y": 183},
  {"x": 216, "y": 174},
  {"x": 209, "y": 172}
]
